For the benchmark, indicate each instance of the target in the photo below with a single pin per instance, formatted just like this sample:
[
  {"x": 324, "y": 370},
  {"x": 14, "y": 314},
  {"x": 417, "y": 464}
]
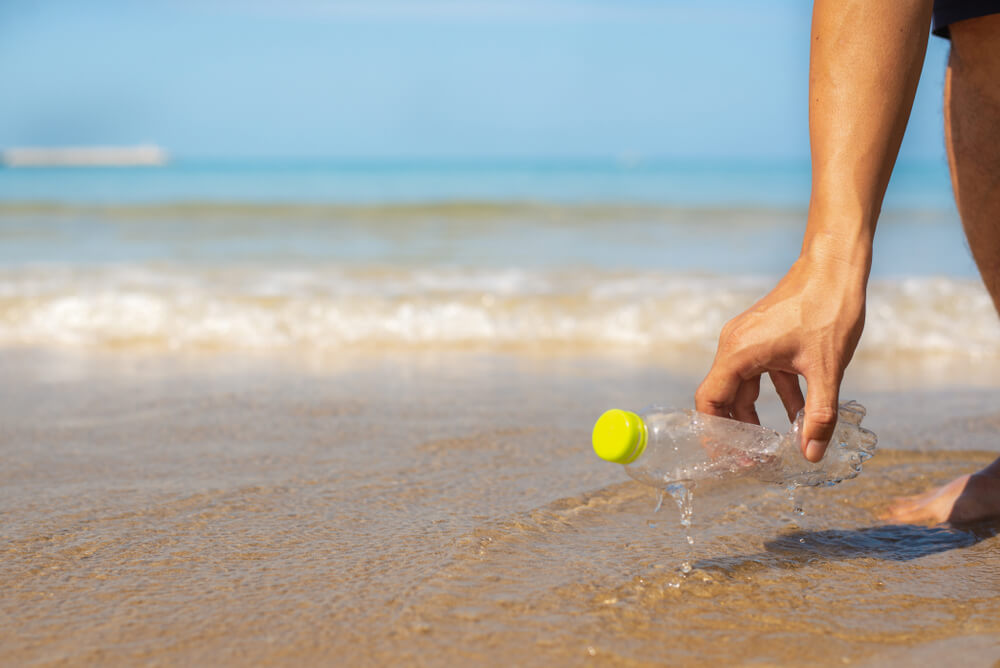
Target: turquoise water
[
  {"x": 515, "y": 255},
  {"x": 735, "y": 218},
  {"x": 691, "y": 183},
  {"x": 545, "y": 236}
]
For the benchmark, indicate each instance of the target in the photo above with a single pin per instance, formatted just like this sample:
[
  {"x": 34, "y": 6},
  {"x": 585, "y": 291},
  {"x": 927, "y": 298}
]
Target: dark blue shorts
[{"x": 947, "y": 12}]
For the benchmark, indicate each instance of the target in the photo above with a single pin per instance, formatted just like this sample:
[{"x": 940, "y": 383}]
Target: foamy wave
[{"x": 337, "y": 308}]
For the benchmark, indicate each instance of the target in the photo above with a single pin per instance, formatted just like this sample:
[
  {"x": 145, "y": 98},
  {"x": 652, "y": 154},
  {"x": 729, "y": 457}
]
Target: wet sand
[{"x": 441, "y": 509}]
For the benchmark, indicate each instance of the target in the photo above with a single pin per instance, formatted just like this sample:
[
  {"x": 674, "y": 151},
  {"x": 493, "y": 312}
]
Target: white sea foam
[{"x": 333, "y": 308}]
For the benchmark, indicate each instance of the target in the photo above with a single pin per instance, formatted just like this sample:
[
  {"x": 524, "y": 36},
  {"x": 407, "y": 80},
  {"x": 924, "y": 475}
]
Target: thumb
[{"x": 821, "y": 416}]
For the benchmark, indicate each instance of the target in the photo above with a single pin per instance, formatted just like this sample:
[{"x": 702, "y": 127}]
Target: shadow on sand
[{"x": 891, "y": 542}]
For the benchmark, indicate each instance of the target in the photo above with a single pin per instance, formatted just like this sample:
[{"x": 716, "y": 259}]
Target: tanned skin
[
  {"x": 865, "y": 63},
  {"x": 972, "y": 135}
]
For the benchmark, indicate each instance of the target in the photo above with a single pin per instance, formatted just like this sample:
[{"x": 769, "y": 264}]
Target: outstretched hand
[{"x": 808, "y": 325}]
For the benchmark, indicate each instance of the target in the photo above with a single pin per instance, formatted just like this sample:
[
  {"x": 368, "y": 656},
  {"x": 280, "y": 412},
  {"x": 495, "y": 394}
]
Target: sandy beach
[
  {"x": 308, "y": 309},
  {"x": 445, "y": 508},
  {"x": 282, "y": 434}
]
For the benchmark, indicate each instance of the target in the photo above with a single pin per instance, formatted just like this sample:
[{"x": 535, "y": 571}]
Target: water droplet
[
  {"x": 683, "y": 496},
  {"x": 796, "y": 507}
]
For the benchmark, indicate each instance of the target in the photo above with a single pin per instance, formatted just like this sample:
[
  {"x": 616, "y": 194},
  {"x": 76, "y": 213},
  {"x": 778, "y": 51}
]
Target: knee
[{"x": 975, "y": 52}]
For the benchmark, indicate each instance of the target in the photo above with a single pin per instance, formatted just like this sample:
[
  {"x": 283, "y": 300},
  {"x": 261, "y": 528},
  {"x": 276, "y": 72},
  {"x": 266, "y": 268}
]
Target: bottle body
[{"x": 687, "y": 446}]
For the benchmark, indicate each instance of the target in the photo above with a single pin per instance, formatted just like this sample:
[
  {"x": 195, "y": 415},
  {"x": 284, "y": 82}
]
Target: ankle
[
  {"x": 991, "y": 473},
  {"x": 984, "y": 487}
]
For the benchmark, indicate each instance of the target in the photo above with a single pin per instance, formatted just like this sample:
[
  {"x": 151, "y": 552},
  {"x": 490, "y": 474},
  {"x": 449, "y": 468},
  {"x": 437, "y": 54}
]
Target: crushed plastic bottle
[{"x": 661, "y": 447}]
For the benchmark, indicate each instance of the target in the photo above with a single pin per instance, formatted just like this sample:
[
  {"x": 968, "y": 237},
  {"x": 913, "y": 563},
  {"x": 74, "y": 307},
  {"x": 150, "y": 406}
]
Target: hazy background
[
  {"x": 590, "y": 175},
  {"x": 714, "y": 79}
]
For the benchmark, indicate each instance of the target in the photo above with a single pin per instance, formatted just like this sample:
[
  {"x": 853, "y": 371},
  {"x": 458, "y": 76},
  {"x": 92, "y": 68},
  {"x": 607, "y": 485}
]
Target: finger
[
  {"x": 743, "y": 405},
  {"x": 821, "y": 415},
  {"x": 716, "y": 394},
  {"x": 787, "y": 386}
]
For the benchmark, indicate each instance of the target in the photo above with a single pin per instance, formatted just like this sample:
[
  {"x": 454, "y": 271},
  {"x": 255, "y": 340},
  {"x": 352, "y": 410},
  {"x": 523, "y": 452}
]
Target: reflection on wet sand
[{"x": 224, "y": 510}]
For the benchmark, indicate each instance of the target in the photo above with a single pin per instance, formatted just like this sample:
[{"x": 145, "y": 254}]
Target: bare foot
[{"x": 970, "y": 498}]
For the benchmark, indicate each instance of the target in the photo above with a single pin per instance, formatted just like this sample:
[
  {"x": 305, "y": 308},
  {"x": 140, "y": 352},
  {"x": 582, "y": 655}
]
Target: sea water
[
  {"x": 294, "y": 415},
  {"x": 530, "y": 255}
]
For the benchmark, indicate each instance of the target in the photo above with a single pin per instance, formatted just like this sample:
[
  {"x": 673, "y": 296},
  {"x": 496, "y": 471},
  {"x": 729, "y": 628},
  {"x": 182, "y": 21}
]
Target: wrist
[
  {"x": 844, "y": 256},
  {"x": 839, "y": 243}
]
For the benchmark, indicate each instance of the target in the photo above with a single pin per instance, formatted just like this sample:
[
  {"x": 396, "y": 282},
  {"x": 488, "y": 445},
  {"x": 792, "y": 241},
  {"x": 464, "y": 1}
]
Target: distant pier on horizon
[{"x": 143, "y": 155}]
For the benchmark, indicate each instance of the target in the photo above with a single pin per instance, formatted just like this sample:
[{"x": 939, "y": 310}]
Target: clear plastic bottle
[{"x": 661, "y": 447}]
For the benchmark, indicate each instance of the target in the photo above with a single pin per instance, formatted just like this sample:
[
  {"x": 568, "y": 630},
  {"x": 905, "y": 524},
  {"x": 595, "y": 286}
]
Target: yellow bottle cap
[{"x": 619, "y": 436}]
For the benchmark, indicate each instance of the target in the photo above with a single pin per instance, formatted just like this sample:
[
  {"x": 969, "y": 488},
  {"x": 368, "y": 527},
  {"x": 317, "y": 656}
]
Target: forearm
[{"x": 864, "y": 67}]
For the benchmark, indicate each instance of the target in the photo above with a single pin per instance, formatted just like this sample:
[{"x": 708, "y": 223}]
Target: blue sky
[{"x": 710, "y": 79}]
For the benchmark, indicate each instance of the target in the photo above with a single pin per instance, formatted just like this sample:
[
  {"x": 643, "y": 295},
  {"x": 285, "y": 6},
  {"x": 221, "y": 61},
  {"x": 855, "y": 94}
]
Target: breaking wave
[{"x": 323, "y": 308}]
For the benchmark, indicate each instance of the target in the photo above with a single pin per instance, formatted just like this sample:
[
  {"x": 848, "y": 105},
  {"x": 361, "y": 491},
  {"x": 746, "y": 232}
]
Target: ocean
[
  {"x": 616, "y": 256},
  {"x": 286, "y": 413}
]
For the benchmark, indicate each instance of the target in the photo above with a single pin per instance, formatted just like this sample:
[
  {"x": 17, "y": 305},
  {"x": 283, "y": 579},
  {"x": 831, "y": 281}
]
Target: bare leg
[{"x": 972, "y": 133}]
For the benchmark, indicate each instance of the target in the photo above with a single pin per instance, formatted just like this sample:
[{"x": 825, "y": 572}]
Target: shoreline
[
  {"x": 447, "y": 508},
  {"x": 871, "y": 372}
]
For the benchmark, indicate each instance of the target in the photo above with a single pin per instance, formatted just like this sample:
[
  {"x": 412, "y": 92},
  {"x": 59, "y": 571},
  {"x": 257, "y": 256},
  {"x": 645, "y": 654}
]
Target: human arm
[{"x": 865, "y": 62}]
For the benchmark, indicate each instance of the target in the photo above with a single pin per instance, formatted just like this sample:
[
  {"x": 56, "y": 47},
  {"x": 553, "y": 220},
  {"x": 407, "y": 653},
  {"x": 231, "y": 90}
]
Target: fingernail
[{"x": 814, "y": 450}]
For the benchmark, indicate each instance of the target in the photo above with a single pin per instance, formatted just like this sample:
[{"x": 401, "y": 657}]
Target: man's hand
[
  {"x": 808, "y": 325},
  {"x": 864, "y": 66}
]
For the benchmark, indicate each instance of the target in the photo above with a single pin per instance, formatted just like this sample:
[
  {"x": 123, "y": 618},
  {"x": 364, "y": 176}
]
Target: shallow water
[
  {"x": 439, "y": 275},
  {"x": 442, "y": 509}
]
